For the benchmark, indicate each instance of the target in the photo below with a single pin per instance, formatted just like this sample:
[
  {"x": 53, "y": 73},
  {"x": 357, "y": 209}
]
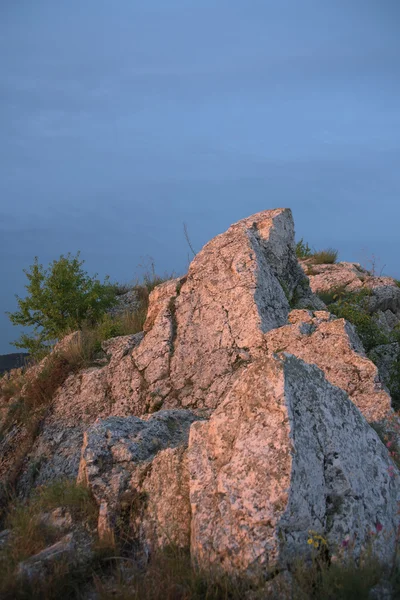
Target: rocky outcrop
[
  {"x": 345, "y": 277},
  {"x": 286, "y": 453},
  {"x": 333, "y": 345},
  {"x": 200, "y": 332},
  {"x": 196, "y": 336},
  {"x": 132, "y": 462},
  {"x": 238, "y": 420}
]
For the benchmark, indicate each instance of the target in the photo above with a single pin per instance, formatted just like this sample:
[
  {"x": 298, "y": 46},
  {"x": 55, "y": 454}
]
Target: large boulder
[
  {"x": 130, "y": 462},
  {"x": 287, "y": 453}
]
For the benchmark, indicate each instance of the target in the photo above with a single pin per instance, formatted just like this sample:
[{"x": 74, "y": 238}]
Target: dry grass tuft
[{"x": 325, "y": 257}]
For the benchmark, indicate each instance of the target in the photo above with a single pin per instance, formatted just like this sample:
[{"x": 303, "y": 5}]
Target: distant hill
[{"x": 12, "y": 361}]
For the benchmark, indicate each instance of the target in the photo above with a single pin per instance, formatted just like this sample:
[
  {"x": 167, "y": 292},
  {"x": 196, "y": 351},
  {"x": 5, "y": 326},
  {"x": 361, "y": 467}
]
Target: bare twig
[{"x": 188, "y": 238}]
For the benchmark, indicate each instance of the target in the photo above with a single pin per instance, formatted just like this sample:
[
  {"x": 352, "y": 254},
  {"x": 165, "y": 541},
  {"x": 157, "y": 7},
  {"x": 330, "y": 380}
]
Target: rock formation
[
  {"x": 127, "y": 460},
  {"x": 333, "y": 345},
  {"x": 239, "y": 419},
  {"x": 286, "y": 453},
  {"x": 384, "y": 300}
]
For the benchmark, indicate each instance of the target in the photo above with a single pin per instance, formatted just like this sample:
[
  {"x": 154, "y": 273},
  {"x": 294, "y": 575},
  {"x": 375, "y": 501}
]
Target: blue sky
[{"x": 120, "y": 120}]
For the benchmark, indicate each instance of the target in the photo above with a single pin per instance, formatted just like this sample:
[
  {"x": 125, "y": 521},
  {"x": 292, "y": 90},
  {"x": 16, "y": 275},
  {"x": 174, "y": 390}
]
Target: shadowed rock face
[
  {"x": 285, "y": 453},
  {"x": 125, "y": 460}
]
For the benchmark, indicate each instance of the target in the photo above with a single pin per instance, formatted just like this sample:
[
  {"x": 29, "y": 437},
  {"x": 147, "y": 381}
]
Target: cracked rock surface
[
  {"x": 333, "y": 345},
  {"x": 285, "y": 453},
  {"x": 237, "y": 421},
  {"x": 127, "y": 459}
]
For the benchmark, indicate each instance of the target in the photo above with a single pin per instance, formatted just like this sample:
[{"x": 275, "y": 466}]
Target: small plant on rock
[
  {"x": 354, "y": 308},
  {"x": 325, "y": 257},
  {"x": 303, "y": 250}
]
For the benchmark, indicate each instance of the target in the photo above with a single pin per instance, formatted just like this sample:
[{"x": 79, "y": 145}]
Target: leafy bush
[
  {"x": 60, "y": 299},
  {"x": 354, "y": 308},
  {"x": 325, "y": 257},
  {"x": 303, "y": 250}
]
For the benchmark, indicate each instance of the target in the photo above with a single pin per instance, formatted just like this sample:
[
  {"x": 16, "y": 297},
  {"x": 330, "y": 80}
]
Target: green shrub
[
  {"x": 325, "y": 257},
  {"x": 60, "y": 299},
  {"x": 303, "y": 250},
  {"x": 354, "y": 308}
]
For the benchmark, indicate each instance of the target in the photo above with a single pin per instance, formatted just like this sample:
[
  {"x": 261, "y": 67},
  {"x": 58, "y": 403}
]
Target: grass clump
[
  {"x": 67, "y": 494},
  {"x": 11, "y": 387},
  {"x": 169, "y": 576},
  {"x": 41, "y": 389},
  {"x": 30, "y": 533},
  {"x": 343, "y": 580},
  {"x": 325, "y": 257}
]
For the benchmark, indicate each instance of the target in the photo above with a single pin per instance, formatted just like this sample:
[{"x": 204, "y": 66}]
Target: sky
[{"x": 121, "y": 120}]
